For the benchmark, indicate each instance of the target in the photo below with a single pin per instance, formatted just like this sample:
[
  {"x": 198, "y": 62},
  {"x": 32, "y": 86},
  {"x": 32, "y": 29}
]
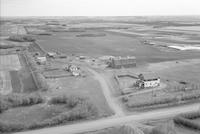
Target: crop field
[
  {"x": 86, "y": 87},
  {"x": 16, "y": 82},
  {"x": 9, "y": 62},
  {"x": 5, "y": 82},
  {"x": 187, "y": 36},
  {"x": 111, "y": 44}
]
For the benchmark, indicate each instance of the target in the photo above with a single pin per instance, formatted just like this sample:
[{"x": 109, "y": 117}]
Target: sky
[{"x": 98, "y": 7}]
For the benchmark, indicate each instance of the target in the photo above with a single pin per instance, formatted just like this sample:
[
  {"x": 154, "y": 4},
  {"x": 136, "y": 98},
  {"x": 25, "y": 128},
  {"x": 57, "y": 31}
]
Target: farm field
[
  {"x": 174, "y": 36},
  {"x": 16, "y": 82},
  {"x": 5, "y": 82},
  {"x": 111, "y": 44},
  {"x": 9, "y": 62}
]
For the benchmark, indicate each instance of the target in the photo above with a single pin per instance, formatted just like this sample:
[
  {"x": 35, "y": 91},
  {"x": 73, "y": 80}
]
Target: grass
[
  {"x": 31, "y": 114},
  {"x": 29, "y": 84},
  {"x": 86, "y": 87}
]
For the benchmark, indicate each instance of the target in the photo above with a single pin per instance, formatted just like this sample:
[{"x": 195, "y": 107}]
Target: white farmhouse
[{"x": 151, "y": 83}]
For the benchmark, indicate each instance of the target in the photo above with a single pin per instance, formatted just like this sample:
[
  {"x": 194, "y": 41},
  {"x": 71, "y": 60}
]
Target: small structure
[
  {"x": 41, "y": 60},
  {"x": 82, "y": 57},
  {"x": 127, "y": 90},
  {"x": 51, "y": 54},
  {"x": 74, "y": 70},
  {"x": 119, "y": 62}
]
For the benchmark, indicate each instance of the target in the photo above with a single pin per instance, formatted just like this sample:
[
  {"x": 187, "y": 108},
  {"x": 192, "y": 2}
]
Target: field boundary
[{"x": 28, "y": 66}]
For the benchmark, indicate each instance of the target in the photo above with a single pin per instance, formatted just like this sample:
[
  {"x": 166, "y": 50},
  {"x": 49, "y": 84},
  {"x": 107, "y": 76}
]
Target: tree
[{"x": 141, "y": 76}]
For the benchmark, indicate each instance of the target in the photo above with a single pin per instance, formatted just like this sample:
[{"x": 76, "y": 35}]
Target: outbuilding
[
  {"x": 119, "y": 62},
  {"x": 51, "y": 54},
  {"x": 41, "y": 60}
]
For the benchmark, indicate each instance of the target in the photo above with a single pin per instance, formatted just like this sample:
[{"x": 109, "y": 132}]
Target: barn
[{"x": 119, "y": 62}]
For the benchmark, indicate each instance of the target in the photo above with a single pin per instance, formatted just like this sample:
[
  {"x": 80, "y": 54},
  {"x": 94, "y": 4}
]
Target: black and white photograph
[{"x": 99, "y": 67}]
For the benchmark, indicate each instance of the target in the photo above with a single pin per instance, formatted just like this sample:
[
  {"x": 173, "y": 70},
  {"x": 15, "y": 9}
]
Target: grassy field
[{"x": 86, "y": 87}]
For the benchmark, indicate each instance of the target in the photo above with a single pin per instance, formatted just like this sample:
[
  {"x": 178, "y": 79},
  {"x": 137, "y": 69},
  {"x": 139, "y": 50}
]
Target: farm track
[{"x": 107, "y": 93}]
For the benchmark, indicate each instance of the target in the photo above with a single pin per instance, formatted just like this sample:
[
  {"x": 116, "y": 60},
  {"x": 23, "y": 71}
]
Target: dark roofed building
[{"x": 119, "y": 62}]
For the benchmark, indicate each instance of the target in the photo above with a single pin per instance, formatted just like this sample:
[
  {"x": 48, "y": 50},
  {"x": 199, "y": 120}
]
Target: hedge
[
  {"x": 21, "y": 38},
  {"x": 16, "y": 100},
  {"x": 186, "y": 120},
  {"x": 81, "y": 108}
]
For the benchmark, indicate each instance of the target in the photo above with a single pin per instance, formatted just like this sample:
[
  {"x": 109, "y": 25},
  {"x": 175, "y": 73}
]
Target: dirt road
[
  {"x": 119, "y": 119},
  {"x": 107, "y": 93},
  {"x": 109, "y": 122}
]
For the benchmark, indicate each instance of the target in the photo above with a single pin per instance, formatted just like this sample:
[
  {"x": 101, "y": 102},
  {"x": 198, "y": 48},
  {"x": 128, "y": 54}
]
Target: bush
[
  {"x": 4, "y": 105},
  {"x": 11, "y": 127},
  {"x": 16, "y": 100},
  {"x": 21, "y": 38},
  {"x": 41, "y": 81},
  {"x": 154, "y": 102},
  {"x": 186, "y": 120},
  {"x": 81, "y": 108},
  {"x": 166, "y": 128},
  {"x": 69, "y": 101},
  {"x": 6, "y": 46}
]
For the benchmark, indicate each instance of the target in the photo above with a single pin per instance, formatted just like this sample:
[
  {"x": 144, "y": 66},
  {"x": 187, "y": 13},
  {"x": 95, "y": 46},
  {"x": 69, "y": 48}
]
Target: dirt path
[
  {"x": 114, "y": 121},
  {"x": 107, "y": 93}
]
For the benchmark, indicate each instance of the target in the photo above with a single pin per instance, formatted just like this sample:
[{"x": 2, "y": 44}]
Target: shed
[{"x": 41, "y": 60}]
